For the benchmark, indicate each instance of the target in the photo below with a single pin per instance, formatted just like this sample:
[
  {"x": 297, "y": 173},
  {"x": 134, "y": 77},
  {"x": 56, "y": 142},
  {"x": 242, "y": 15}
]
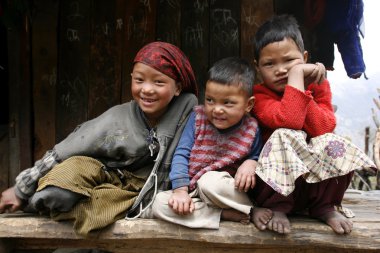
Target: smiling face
[
  {"x": 275, "y": 61},
  {"x": 152, "y": 90},
  {"x": 225, "y": 105}
]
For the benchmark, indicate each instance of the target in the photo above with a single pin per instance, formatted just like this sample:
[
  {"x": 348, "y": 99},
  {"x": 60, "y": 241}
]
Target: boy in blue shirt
[{"x": 214, "y": 163}]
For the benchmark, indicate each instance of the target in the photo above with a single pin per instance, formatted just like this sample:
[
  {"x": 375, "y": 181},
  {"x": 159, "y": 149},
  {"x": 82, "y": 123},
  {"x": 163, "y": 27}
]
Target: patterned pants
[
  {"x": 294, "y": 175},
  {"x": 287, "y": 155}
]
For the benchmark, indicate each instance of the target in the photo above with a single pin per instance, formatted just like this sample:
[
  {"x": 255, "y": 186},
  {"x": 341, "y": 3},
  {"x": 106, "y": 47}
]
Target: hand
[
  {"x": 245, "y": 176},
  {"x": 300, "y": 76},
  {"x": 314, "y": 74},
  {"x": 181, "y": 202},
  {"x": 9, "y": 202}
]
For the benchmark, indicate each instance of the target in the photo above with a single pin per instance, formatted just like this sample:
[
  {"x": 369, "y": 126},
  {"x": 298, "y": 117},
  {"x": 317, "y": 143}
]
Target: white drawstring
[
  {"x": 150, "y": 203},
  {"x": 153, "y": 174}
]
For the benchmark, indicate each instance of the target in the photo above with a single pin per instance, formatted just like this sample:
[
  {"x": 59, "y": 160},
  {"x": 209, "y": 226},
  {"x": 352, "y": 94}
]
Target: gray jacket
[{"x": 118, "y": 138}]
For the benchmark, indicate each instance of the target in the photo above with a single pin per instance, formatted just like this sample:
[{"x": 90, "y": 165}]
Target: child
[
  {"x": 295, "y": 98},
  {"x": 114, "y": 160},
  {"x": 213, "y": 165}
]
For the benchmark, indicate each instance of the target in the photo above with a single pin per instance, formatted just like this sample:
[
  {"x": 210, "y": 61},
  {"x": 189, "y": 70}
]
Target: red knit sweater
[{"x": 310, "y": 111}]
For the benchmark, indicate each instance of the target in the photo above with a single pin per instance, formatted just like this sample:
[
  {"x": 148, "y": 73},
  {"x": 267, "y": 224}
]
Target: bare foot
[
  {"x": 279, "y": 223},
  {"x": 260, "y": 217},
  {"x": 339, "y": 223},
  {"x": 235, "y": 215}
]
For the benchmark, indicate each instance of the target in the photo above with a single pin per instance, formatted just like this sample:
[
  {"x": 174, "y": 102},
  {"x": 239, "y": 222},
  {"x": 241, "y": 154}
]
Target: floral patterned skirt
[{"x": 287, "y": 155}]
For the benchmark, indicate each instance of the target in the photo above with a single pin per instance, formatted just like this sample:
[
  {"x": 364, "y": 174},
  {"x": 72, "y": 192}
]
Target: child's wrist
[
  {"x": 181, "y": 189},
  {"x": 296, "y": 77}
]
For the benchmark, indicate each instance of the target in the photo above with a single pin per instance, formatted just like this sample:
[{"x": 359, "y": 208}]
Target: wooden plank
[
  {"x": 169, "y": 246},
  {"x": 296, "y": 8},
  {"x": 169, "y": 21},
  {"x": 4, "y": 84},
  {"x": 44, "y": 61},
  {"x": 195, "y": 39},
  {"x": 253, "y": 14},
  {"x": 293, "y": 7},
  {"x": 19, "y": 97},
  {"x": 224, "y": 29},
  {"x": 140, "y": 22},
  {"x": 144, "y": 235},
  {"x": 4, "y": 112},
  {"x": 120, "y": 13},
  {"x": 4, "y": 157},
  {"x": 73, "y": 66},
  {"x": 25, "y": 96},
  {"x": 104, "y": 81},
  {"x": 14, "y": 79}
]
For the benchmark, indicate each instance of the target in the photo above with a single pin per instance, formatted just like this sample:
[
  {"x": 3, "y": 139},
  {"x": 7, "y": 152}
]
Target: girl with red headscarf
[{"x": 114, "y": 164}]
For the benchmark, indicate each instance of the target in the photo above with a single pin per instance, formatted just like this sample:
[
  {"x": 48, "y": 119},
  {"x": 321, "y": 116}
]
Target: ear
[
  {"x": 250, "y": 104},
  {"x": 305, "y": 56},
  {"x": 256, "y": 64},
  {"x": 178, "y": 88}
]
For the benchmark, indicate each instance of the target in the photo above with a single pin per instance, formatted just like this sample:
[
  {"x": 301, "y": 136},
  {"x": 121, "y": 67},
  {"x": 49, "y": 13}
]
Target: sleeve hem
[
  {"x": 177, "y": 183},
  {"x": 20, "y": 194}
]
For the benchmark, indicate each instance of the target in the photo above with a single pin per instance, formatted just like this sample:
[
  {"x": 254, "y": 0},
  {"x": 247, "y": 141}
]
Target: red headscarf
[{"x": 171, "y": 61}]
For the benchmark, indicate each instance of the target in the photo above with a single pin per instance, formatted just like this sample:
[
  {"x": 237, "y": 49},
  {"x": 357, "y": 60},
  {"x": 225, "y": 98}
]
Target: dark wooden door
[{"x": 74, "y": 60}]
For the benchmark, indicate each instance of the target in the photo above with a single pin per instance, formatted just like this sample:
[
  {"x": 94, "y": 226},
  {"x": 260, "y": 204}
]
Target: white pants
[{"x": 215, "y": 191}]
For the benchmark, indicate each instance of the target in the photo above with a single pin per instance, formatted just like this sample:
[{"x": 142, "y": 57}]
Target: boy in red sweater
[{"x": 303, "y": 166}]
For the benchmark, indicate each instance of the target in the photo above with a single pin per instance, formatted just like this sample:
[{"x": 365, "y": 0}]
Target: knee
[
  {"x": 54, "y": 198},
  {"x": 207, "y": 180},
  {"x": 82, "y": 164},
  {"x": 76, "y": 168},
  {"x": 214, "y": 182}
]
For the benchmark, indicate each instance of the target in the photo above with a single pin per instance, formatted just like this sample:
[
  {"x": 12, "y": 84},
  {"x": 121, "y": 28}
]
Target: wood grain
[
  {"x": 44, "y": 61},
  {"x": 23, "y": 231}
]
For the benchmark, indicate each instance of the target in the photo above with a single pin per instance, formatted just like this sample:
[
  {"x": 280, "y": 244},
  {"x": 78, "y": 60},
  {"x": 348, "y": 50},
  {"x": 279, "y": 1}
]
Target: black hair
[
  {"x": 233, "y": 71},
  {"x": 277, "y": 29}
]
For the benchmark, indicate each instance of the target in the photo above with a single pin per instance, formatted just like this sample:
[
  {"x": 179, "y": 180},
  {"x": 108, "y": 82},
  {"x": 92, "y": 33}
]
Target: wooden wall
[{"x": 71, "y": 60}]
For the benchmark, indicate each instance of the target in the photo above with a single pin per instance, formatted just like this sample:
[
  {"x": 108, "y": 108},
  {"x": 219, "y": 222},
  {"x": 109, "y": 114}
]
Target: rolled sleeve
[
  {"x": 256, "y": 147},
  {"x": 179, "y": 172},
  {"x": 27, "y": 180}
]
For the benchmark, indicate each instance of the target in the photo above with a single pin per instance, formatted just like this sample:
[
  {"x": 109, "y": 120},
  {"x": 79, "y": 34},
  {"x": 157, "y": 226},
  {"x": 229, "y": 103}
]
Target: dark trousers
[{"x": 319, "y": 198}]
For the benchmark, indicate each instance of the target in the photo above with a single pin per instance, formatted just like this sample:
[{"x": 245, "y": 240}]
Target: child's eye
[
  {"x": 229, "y": 103},
  {"x": 209, "y": 100},
  {"x": 159, "y": 82},
  {"x": 138, "y": 80},
  {"x": 268, "y": 64}
]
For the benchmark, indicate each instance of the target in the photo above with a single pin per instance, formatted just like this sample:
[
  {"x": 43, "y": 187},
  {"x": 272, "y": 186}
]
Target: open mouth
[
  {"x": 148, "y": 100},
  {"x": 219, "y": 119}
]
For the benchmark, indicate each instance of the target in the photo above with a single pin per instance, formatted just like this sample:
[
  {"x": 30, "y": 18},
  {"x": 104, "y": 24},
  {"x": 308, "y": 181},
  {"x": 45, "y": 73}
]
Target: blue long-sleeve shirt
[{"x": 179, "y": 171}]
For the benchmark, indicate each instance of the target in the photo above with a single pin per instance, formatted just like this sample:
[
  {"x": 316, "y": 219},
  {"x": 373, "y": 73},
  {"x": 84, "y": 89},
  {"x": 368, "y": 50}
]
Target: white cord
[{"x": 150, "y": 203}]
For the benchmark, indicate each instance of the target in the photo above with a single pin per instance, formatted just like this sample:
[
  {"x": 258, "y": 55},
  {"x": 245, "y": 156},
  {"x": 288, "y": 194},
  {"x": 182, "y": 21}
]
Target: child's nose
[
  {"x": 147, "y": 87},
  {"x": 281, "y": 68},
  {"x": 218, "y": 109}
]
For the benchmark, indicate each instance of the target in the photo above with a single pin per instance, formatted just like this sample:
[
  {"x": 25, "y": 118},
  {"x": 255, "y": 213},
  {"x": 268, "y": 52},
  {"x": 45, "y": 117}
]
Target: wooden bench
[{"x": 26, "y": 233}]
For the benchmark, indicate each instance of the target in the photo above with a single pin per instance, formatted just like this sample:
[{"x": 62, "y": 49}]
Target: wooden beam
[
  {"x": 44, "y": 61},
  {"x": 23, "y": 231},
  {"x": 73, "y": 66},
  {"x": 195, "y": 37},
  {"x": 104, "y": 68}
]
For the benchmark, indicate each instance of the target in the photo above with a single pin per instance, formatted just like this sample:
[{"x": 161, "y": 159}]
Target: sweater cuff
[
  {"x": 20, "y": 194},
  {"x": 180, "y": 182},
  {"x": 307, "y": 94}
]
